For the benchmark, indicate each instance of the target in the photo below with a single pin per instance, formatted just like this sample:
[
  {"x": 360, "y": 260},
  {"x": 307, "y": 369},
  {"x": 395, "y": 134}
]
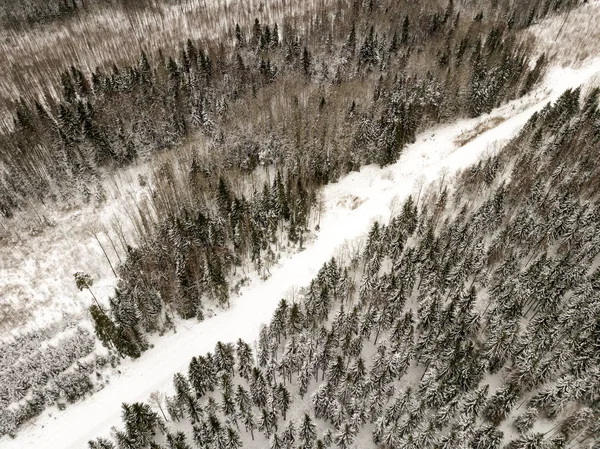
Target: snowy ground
[
  {"x": 37, "y": 264},
  {"x": 570, "y": 39},
  {"x": 351, "y": 205},
  {"x": 36, "y": 282}
]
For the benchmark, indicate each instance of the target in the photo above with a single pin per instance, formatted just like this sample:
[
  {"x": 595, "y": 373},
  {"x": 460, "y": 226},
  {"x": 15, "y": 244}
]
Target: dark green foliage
[
  {"x": 110, "y": 118},
  {"x": 525, "y": 248},
  {"x": 177, "y": 441},
  {"x": 104, "y": 327},
  {"x": 141, "y": 423},
  {"x": 458, "y": 292},
  {"x": 101, "y": 443}
]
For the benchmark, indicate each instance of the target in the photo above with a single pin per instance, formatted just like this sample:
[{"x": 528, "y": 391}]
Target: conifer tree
[
  {"x": 276, "y": 442},
  {"x": 243, "y": 400},
  {"x": 345, "y": 437},
  {"x": 140, "y": 422},
  {"x": 232, "y": 439},
  {"x": 249, "y": 422},
  {"x": 244, "y": 359},
  {"x": 101, "y": 443},
  {"x": 289, "y": 435},
  {"x": 177, "y": 441},
  {"x": 184, "y": 397},
  {"x": 307, "y": 432},
  {"x": 283, "y": 400}
]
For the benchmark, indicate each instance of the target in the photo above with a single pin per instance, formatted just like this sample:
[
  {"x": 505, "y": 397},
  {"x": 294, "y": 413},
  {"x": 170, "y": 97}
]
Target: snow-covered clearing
[
  {"x": 37, "y": 263},
  {"x": 351, "y": 205}
]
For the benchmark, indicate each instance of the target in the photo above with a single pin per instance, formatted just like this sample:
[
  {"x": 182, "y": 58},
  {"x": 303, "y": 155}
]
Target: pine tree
[
  {"x": 101, "y": 443},
  {"x": 196, "y": 376},
  {"x": 124, "y": 442},
  {"x": 177, "y": 441},
  {"x": 499, "y": 405},
  {"x": 67, "y": 87},
  {"x": 239, "y": 37},
  {"x": 224, "y": 359},
  {"x": 218, "y": 433},
  {"x": 258, "y": 388},
  {"x": 279, "y": 319},
  {"x": 104, "y": 327},
  {"x": 84, "y": 280},
  {"x": 174, "y": 409},
  {"x": 303, "y": 380},
  {"x": 267, "y": 423},
  {"x": 184, "y": 397},
  {"x": 528, "y": 441},
  {"x": 263, "y": 346},
  {"x": 295, "y": 322},
  {"x": 306, "y": 62},
  {"x": 243, "y": 400},
  {"x": 289, "y": 435},
  {"x": 232, "y": 439},
  {"x": 256, "y": 34},
  {"x": 345, "y": 437},
  {"x": 327, "y": 438},
  {"x": 249, "y": 422},
  {"x": 244, "y": 359},
  {"x": 140, "y": 423},
  {"x": 283, "y": 400},
  {"x": 393, "y": 48},
  {"x": 307, "y": 432},
  {"x": 405, "y": 30},
  {"x": 351, "y": 41},
  {"x": 367, "y": 50},
  {"x": 276, "y": 442},
  {"x": 228, "y": 405},
  {"x": 525, "y": 421}
]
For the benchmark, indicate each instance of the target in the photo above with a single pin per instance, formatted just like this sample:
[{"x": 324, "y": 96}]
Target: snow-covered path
[{"x": 351, "y": 205}]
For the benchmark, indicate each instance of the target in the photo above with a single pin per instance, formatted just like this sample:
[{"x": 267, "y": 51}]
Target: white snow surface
[{"x": 351, "y": 206}]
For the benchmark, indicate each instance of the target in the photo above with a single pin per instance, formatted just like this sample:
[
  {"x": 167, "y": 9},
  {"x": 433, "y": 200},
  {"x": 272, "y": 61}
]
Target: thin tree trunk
[
  {"x": 563, "y": 24},
  {"x": 105, "y": 255},
  {"x": 96, "y": 300},
  {"x": 114, "y": 246},
  {"x": 161, "y": 410}
]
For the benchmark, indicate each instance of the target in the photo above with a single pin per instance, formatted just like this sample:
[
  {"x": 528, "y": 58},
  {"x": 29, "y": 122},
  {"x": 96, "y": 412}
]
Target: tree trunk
[{"x": 105, "y": 255}]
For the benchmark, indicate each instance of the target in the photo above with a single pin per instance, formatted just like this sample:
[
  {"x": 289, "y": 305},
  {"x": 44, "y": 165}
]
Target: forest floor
[
  {"x": 37, "y": 261},
  {"x": 351, "y": 206},
  {"x": 572, "y": 38}
]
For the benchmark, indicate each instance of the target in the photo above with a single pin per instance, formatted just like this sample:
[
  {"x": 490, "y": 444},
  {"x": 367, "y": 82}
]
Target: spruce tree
[{"x": 307, "y": 432}]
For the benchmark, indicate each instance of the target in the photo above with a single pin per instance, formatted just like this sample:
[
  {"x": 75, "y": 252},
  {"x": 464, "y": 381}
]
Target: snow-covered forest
[
  {"x": 416, "y": 180},
  {"x": 469, "y": 320}
]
